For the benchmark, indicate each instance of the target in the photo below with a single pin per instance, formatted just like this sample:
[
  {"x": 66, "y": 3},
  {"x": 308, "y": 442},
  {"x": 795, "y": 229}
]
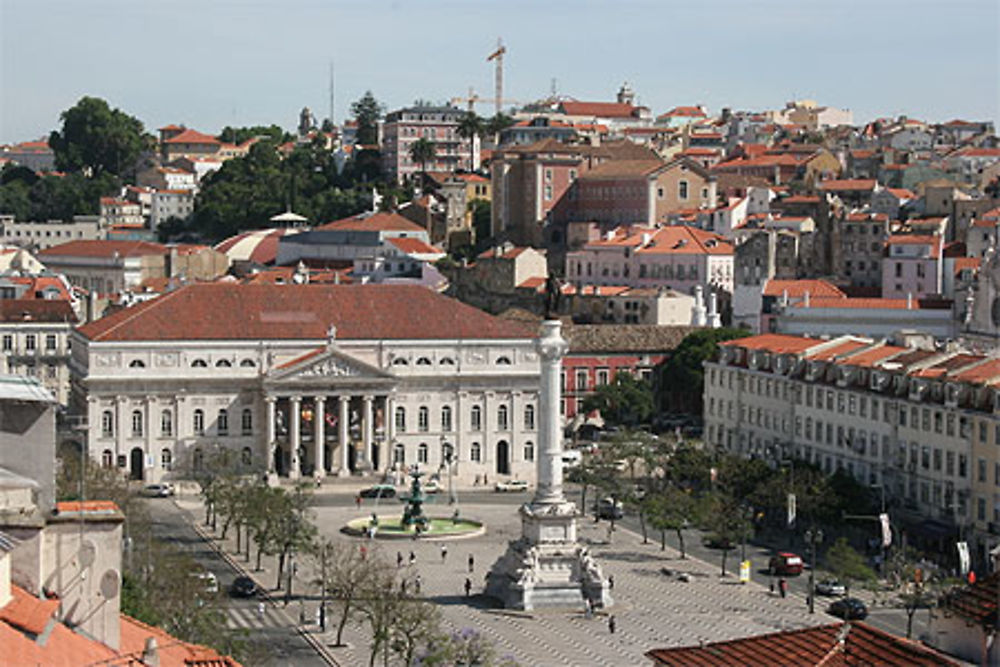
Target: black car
[
  {"x": 243, "y": 587},
  {"x": 379, "y": 491},
  {"x": 606, "y": 508},
  {"x": 849, "y": 609}
]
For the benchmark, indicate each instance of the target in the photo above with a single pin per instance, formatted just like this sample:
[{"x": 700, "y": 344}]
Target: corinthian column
[
  {"x": 551, "y": 349},
  {"x": 295, "y": 440},
  {"x": 319, "y": 436}
]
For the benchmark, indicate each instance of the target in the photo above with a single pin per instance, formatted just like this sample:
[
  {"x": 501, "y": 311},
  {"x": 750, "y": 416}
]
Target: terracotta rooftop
[
  {"x": 599, "y": 109},
  {"x": 192, "y": 137},
  {"x": 104, "y": 249},
  {"x": 232, "y": 311},
  {"x": 849, "y": 184},
  {"x": 846, "y": 347},
  {"x": 862, "y": 645},
  {"x": 797, "y": 289},
  {"x": 977, "y": 603},
  {"x": 379, "y": 222},
  {"x": 415, "y": 246},
  {"x": 622, "y": 169},
  {"x": 36, "y": 310},
  {"x": 776, "y": 343},
  {"x": 875, "y": 303},
  {"x": 873, "y": 356}
]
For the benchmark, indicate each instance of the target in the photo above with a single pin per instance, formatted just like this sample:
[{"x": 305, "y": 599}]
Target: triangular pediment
[{"x": 324, "y": 365}]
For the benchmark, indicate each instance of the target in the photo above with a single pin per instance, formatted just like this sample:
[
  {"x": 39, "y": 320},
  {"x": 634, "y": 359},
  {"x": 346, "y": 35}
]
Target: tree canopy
[
  {"x": 96, "y": 139},
  {"x": 682, "y": 378},
  {"x": 627, "y": 400},
  {"x": 237, "y": 135},
  {"x": 28, "y": 196},
  {"x": 367, "y": 111}
]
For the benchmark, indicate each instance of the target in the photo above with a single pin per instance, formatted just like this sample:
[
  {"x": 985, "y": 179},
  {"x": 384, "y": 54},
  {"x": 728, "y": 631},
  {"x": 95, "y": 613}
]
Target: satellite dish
[
  {"x": 88, "y": 553},
  {"x": 111, "y": 583}
]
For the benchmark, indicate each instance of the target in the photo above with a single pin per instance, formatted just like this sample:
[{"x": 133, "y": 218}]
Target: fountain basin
[{"x": 392, "y": 528}]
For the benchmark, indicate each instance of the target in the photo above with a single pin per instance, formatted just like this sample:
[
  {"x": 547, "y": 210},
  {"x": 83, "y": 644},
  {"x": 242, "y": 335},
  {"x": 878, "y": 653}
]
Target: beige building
[{"x": 42, "y": 235}]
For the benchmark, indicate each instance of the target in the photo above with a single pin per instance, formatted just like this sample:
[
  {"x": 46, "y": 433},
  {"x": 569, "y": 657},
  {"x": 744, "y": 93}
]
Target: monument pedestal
[{"x": 547, "y": 568}]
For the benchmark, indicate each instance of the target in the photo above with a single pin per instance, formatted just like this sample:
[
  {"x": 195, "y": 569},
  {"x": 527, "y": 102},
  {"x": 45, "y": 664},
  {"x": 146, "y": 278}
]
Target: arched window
[
  {"x": 246, "y": 421},
  {"x": 447, "y": 361},
  {"x": 223, "y": 363},
  {"x": 423, "y": 419},
  {"x": 423, "y": 361},
  {"x": 475, "y": 452},
  {"x": 502, "y": 421},
  {"x": 107, "y": 424},
  {"x": 199, "y": 423},
  {"x": 399, "y": 454},
  {"x": 137, "y": 423},
  {"x": 446, "y": 418},
  {"x": 166, "y": 423},
  {"x": 166, "y": 459},
  {"x": 137, "y": 363},
  {"x": 399, "y": 361},
  {"x": 422, "y": 453},
  {"x": 476, "y": 418},
  {"x": 222, "y": 422},
  {"x": 199, "y": 363},
  {"x": 503, "y": 361},
  {"x": 529, "y": 418},
  {"x": 198, "y": 458},
  {"x": 107, "y": 458},
  {"x": 247, "y": 363},
  {"x": 400, "y": 419},
  {"x": 529, "y": 451},
  {"x": 246, "y": 457}
]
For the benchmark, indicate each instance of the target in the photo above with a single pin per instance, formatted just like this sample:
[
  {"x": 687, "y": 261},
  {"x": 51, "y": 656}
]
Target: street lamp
[
  {"x": 449, "y": 459},
  {"x": 813, "y": 537}
]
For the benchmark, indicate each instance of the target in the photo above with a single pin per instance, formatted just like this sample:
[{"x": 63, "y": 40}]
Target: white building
[
  {"x": 171, "y": 204},
  {"x": 42, "y": 235},
  {"x": 308, "y": 379}
]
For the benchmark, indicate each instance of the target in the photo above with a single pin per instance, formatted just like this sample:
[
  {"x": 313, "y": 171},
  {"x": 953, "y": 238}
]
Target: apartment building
[
  {"x": 920, "y": 425},
  {"x": 439, "y": 125}
]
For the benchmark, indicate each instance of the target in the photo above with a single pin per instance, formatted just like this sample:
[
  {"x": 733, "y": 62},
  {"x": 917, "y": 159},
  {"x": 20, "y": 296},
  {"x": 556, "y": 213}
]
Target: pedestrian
[
  {"x": 444, "y": 552},
  {"x": 357, "y": 501},
  {"x": 260, "y": 610},
  {"x": 399, "y": 559},
  {"x": 468, "y": 587},
  {"x": 783, "y": 587},
  {"x": 772, "y": 586},
  {"x": 413, "y": 558},
  {"x": 611, "y": 582},
  {"x": 486, "y": 482},
  {"x": 611, "y": 624},
  {"x": 416, "y": 585},
  {"x": 476, "y": 482},
  {"x": 472, "y": 563},
  {"x": 402, "y": 587}
]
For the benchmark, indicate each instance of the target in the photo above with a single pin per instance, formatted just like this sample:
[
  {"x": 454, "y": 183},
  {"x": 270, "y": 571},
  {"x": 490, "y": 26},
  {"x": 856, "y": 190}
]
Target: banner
[
  {"x": 791, "y": 510},
  {"x": 963, "y": 558},
  {"x": 886, "y": 530},
  {"x": 744, "y": 572}
]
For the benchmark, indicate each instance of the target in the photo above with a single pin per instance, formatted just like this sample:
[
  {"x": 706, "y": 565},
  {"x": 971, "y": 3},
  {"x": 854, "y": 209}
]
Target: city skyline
[{"x": 211, "y": 64}]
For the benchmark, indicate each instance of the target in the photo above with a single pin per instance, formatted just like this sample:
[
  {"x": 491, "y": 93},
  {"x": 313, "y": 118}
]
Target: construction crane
[
  {"x": 473, "y": 99},
  {"x": 498, "y": 57}
]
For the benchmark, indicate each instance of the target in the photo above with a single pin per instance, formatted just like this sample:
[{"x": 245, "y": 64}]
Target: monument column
[
  {"x": 343, "y": 433},
  {"x": 319, "y": 436},
  {"x": 295, "y": 435},
  {"x": 551, "y": 349}
]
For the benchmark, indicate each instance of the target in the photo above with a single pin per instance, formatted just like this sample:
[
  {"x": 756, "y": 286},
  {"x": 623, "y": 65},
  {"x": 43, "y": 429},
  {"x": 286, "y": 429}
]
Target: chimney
[
  {"x": 150, "y": 653},
  {"x": 714, "y": 319},
  {"x": 698, "y": 318},
  {"x": 172, "y": 262},
  {"x": 646, "y": 239}
]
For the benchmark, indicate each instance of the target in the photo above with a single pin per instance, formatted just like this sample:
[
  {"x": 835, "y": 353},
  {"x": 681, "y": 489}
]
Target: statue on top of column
[{"x": 553, "y": 297}]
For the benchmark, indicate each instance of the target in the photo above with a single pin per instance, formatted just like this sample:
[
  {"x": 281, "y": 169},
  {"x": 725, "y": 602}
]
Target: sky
[{"x": 211, "y": 63}]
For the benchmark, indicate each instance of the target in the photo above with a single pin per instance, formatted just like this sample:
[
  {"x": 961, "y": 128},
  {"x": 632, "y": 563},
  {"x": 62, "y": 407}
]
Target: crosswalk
[{"x": 248, "y": 618}]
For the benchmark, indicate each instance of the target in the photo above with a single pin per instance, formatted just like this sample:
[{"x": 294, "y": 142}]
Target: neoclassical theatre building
[{"x": 308, "y": 380}]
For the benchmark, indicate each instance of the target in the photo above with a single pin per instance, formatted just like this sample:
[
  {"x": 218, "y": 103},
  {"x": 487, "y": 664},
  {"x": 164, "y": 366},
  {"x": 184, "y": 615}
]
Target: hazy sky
[{"x": 210, "y": 63}]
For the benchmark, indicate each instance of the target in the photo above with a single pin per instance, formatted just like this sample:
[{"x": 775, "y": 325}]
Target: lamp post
[
  {"x": 449, "y": 459},
  {"x": 813, "y": 536}
]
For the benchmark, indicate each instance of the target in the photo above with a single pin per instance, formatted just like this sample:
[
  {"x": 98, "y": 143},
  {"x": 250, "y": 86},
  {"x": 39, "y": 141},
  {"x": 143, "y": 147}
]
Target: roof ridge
[{"x": 138, "y": 309}]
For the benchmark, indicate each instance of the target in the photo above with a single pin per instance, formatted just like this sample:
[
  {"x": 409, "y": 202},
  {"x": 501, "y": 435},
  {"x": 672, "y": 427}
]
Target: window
[
  {"x": 166, "y": 458},
  {"x": 246, "y": 456},
  {"x": 476, "y": 418},
  {"x": 247, "y": 363},
  {"x": 423, "y": 419},
  {"x": 602, "y": 376},
  {"x": 659, "y": 193},
  {"x": 981, "y": 470},
  {"x": 447, "y": 361},
  {"x": 198, "y": 458},
  {"x": 399, "y": 361},
  {"x": 682, "y": 189},
  {"x": 199, "y": 363},
  {"x": 399, "y": 454},
  {"x": 422, "y": 453},
  {"x": 401, "y": 419},
  {"x": 548, "y": 193},
  {"x": 529, "y": 451},
  {"x": 199, "y": 422},
  {"x": 8, "y": 342},
  {"x": 137, "y": 363},
  {"x": 50, "y": 341},
  {"x": 502, "y": 421},
  {"x": 222, "y": 423},
  {"x": 423, "y": 361},
  {"x": 475, "y": 452},
  {"x": 223, "y": 363},
  {"x": 529, "y": 418},
  {"x": 107, "y": 424},
  {"x": 166, "y": 423},
  {"x": 503, "y": 361},
  {"x": 446, "y": 418},
  {"x": 107, "y": 458},
  {"x": 581, "y": 380},
  {"x": 246, "y": 421},
  {"x": 137, "y": 423},
  {"x": 29, "y": 342}
]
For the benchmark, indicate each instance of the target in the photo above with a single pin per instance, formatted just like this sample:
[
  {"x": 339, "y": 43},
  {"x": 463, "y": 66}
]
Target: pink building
[
  {"x": 678, "y": 257},
  {"x": 913, "y": 266},
  {"x": 439, "y": 125}
]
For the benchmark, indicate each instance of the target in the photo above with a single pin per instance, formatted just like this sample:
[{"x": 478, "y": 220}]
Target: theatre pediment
[{"x": 322, "y": 366}]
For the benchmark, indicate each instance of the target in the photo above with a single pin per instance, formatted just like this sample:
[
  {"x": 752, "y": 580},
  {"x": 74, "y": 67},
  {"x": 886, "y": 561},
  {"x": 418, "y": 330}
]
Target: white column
[
  {"x": 367, "y": 429},
  {"x": 390, "y": 420},
  {"x": 551, "y": 349},
  {"x": 319, "y": 435},
  {"x": 342, "y": 427},
  {"x": 120, "y": 429},
  {"x": 270, "y": 435},
  {"x": 148, "y": 435},
  {"x": 295, "y": 438}
]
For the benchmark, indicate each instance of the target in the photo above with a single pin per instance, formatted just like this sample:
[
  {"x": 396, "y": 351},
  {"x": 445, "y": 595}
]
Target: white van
[{"x": 571, "y": 457}]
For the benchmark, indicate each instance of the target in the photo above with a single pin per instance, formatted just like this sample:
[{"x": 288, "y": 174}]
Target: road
[{"x": 275, "y": 631}]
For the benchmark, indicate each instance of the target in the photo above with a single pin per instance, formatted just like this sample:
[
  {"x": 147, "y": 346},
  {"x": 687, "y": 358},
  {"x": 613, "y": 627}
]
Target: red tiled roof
[
  {"x": 875, "y": 303},
  {"x": 685, "y": 240},
  {"x": 863, "y": 645},
  {"x": 600, "y": 109},
  {"x": 981, "y": 373},
  {"x": 683, "y": 111},
  {"x": 36, "y": 310},
  {"x": 902, "y": 193},
  {"x": 800, "y": 199},
  {"x": 172, "y": 653},
  {"x": 849, "y": 184},
  {"x": 27, "y": 612},
  {"x": 797, "y": 289},
  {"x": 192, "y": 137},
  {"x": 622, "y": 169},
  {"x": 963, "y": 263},
  {"x": 914, "y": 239},
  {"x": 846, "y": 347},
  {"x": 415, "y": 246},
  {"x": 976, "y": 603},
  {"x": 104, "y": 249},
  {"x": 777, "y": 343},
  {"x": 259, "y": 246},
  {"x": 512, "y": 253},
  {"x": 381, "y": 222},
  {"x": 228, "y": 311}
]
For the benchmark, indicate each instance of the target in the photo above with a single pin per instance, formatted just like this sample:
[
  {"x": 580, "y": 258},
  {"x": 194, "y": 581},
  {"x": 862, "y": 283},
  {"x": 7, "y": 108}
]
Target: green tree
[
  {"x": 469, "y": 127},
  {"x": 497, "y": 124},
  {"x": 97, "y": 139},
  {"x": 847, "y": 564},
  {"x": 682, "y": 377},
  {"x": 482, "y": 223},
  {"x": 728, "y": 519},
  {"x": 627, "y": 400},
  {"x": 422, "y": 151},
  {"x": 367, "y": 112},
  {"x": 293, "y": 528},
  {"x": 671, "y": 509},
  {"x": 237, "y": 135}
]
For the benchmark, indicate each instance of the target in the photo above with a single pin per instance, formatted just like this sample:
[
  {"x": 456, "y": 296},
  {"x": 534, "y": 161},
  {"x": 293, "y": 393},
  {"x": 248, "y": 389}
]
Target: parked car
[
  {"x": 849, "y": 609},
  {"x": 511, "y": 485},
  {"x": 831, "y": 587},
  {"x": 571, "y": 458},
  {"x": 158, "y": 490},
  {"x": 379, "y": 491},
  {"x": 714, "y": 541},
  {"x": 243, "y": 587},
  {"x": 786, "y": 564},
  {"x": 208, "y": 580},
  {"x": 431, "y": 486},
  {"x": 609, "y": 508}
]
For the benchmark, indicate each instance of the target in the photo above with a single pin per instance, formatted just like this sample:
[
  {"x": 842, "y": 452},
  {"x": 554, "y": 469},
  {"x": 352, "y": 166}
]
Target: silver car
[{"x": 831, "y": 587}]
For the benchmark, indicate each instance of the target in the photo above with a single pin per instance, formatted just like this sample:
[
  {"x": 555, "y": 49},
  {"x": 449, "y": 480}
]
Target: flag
[
  {"x": 331, "y": 420},
  {"x": 886, "y": 530},
  {"x": 963, "y": 557},
  {"x": 791, "y": 510}
]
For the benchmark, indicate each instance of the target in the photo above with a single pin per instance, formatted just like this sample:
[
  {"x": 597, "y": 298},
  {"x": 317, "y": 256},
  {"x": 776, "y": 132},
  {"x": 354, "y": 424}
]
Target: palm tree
[
  {"x": 498, "y": 124},
  {"x": 421, "y": 151},
  {"x": 469, "y": 127}
]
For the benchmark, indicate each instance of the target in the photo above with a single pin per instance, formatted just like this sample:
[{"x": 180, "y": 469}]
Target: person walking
[
  {"x": 260, "y": 610},
  {"x": 783, "y": 587},
  {"x": 417, "y": 583},
  {"x": 611, "y": 582},
  {"x": 399, "y": 559},
  {"x": 413, "y": 558},
  {"x": 468, "y": 587},
  {"x": 472, "y": 563},
  {"x": 612, "y": 624},
  {"x": 444, "y": 552},
  {"x": 357, "y": 501}
]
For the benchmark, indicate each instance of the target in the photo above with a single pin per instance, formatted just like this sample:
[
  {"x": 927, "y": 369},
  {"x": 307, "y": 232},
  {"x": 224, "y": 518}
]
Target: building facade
[{"x": 439, "y": 125}]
